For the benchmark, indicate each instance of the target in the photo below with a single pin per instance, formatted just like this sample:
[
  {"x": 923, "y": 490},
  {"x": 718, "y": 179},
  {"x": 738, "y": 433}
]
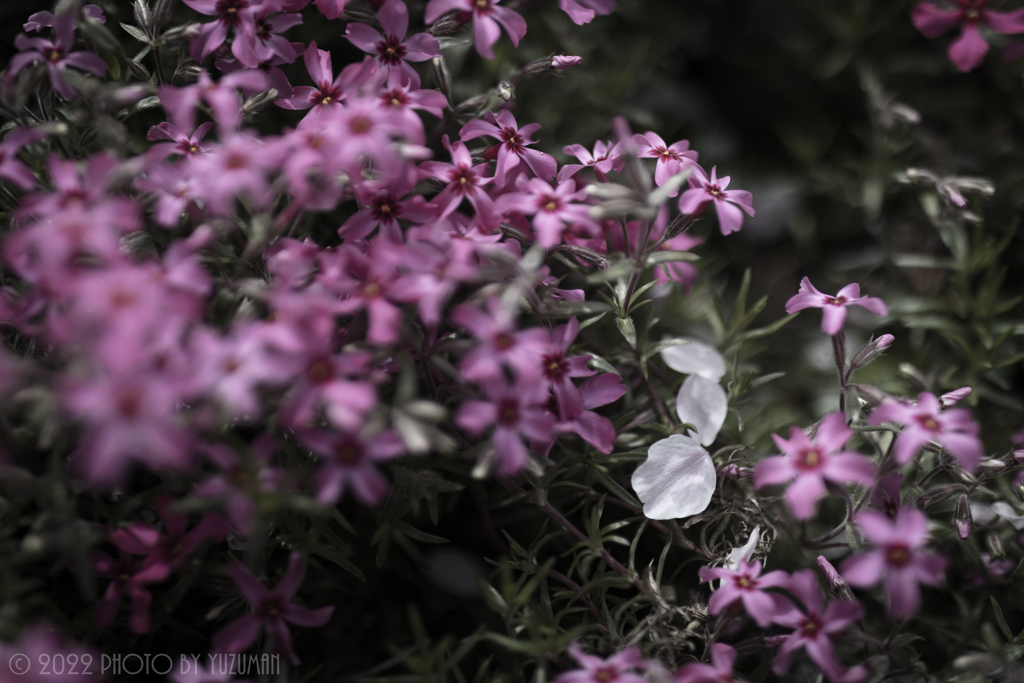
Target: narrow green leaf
[
  {"x": 616, "y": 271},
  {"x": 417, "y": 535},
  {"x": 1000, "y": 620},
  {"x": 136, "y": 33},
  {"x": 667, "y": 256},
  {"x": 615, "y": 488},
  {"x": 627, "y": 329}
]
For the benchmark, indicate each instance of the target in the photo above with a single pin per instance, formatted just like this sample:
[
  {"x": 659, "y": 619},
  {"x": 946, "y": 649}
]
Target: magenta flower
[
  {"x": 365, "y": 280},
  {"x": 465, "y": 181},
  {"x": 241, "y": 479},
  {"x": 41, "y": 20},
  {"x": 886, "y": 494},
  {"x": 181, "y": 142},
  {"x": 501, "y": 343},
  {"x": 833, "y": 307},
  {"x": 729, "y": 205},
  {"x": 222, "y": 96},
  {"x": 897, "y": 558},
  {"x": 556, "y": 369},
  {"x": 56, "y": 55},
  {"x": 382, "y": 205},
  {"x": 432, "y": 276},
  {"x": 583, "y": 11},
  {"x": 392, "y": 51},
  {"x": 967, "y": 51},
  {"x": 258, "y": 40},
  {"x": 271, "y": 610},
  {"x": 814, "y": 627},
  {"x": 560, "y": 62},
  {"x": 597, "y": 430},
  {"x": 671, "y": 158},
  {"x": 229, "y": 13},
  {"x": 723, "y": 658},
  {"x": 329, "y": 91},
  {"x": 745, "y": 584},
  {"x": 125, "y": 580},
  {"x": 167, "y": 553},
  {"x": 615, "y": 669},
  {"x": 349, "y": 463},
  {"x": 810, "y": 463},
  {"x": 551, "y": 208},
  {"x": 11, "y": 168},
  {"x": 513, "y": 151},
  {"x": 514, "y": 412},
  {"x": 606, "y": 158},
  {"x": 404, "y": 99},
  {"x": 925, "y": 422},
  {"x": 331, "y": 9},
  {"x": 486, "y": 14}
]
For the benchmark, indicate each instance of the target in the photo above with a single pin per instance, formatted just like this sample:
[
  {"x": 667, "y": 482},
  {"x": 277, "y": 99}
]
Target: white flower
[
  {"x": 677, "y": 480},
  {"x": 702, "y": 403},
  {"x": 695, "y": 358}
]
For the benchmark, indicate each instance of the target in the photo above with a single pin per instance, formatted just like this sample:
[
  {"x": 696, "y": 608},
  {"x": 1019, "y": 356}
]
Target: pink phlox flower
[
  {"x": 954, "y": 429},
  {"x": 514, "y": 411},
  {"x": 486, "y": 15},
  {"x": 605, "y": 159},
  {"x": 273, "y": 73},
  {"x": 583, "y": 11},
  {"x": 258, "y": 40},
  {"x": 349, "y": 460},
  {"x": 672, "y": 159},
  {"x": 125, "y": 580},
  {"x": 333, "y": 381},
  {"x": 557, "y": 369},
  {"x": 56, "y": 54},
  {"x": 392, "y": 51},
  {"x": 967, "y": 51},
  {"x": 809, "y": 464},
  {"x": 746, "y": 584},
  {"x": 465, "y": 181},
  {"x": 501, "y": 343},
  {"x": 730, "y": 205},
  {"x": 175, "y": 187},
  {"x": 431, "y": 276},
  {"x": 241, "y": 479},
  {"x": 364, "y": 280},
  {"x": 182, "y": 143},
  {"x": 833, "y": 307},
  {"x": 954, "y": 397},
  {"x": 331, "y": 9},
  {"x": 723, "y": 658},
  {"x": 898, "y": 558},
  {"x": 271, "y": 609},
  {"x": 312, "y": 165},
  {"x": 383, "y": 204},
  {"x": 221, "y": 95},
  {"x": 814, "y": 628},
  {"x": 291, "y": 263},
  {"x": 406, "y": 100},
  {"x": 41, "y": 20},
  {"x": 371, "y": 130},
  {"x": 238, "y": 166},
  {"x": 615, "y": 669},
  {"x": 597, "y": 430},
  {"x": 77, "y": 186},
  {"x": 40, "y": 643},
  {"x": 165, "y": 553},
  {"x": 512, "y": 150},
  {"x": 886, "y": 494},
  {"x": 329, "y": 91},
  {"x": 231, "y": 14},
  {"x": 561, "y": 62},
  {"x": 12, "y": 168},
  {"x": 551, "y": 208}
]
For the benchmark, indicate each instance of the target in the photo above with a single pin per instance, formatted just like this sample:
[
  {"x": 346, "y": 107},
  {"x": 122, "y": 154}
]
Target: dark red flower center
[
  {"x": 714, "y": 190},
  {"x": 811, "y": 627},
  {"x": 129, "y": 403},
  {"x": 504, "y": 341},
  {"x": 549, "y": 203},
  {"x": 508, "y": 411},
  {"x": 391, "y": 51},
  {"x": 745, "y": 582},
  {"x": 386, "y": 208},
  {"x": 348, "y": 453},
  {"x": 482, "y": 6},
  {"x": 464, "y": 179},
  {"x": 606, "y": 674},
  {"x": 513, "y": 140},
  {"x": 395, "y": 98},
  {"x": 897, "y": 555},
  {"x": 929, "y": 423},
  {"x": 835, "y": 300},
  {"x": 319, "y": 371},
  {"x": 809, "y": 459},
  {"x": 55, "y": 55},
  {"x": 667, "y": 154},
  {"x": 228, "y": 10},
  {"x": 236, "y": 162},
  {"x": 360, "y": 125}
]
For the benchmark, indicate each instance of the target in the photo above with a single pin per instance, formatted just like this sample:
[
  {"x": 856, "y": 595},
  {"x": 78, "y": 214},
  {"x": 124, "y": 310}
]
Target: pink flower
[
  {"x": 897, "y": 558},
  {"x": 723, "y": 658},
  {"x": 729, "y": 205},
  {"x": 329, "y": 91},
  {"x": 606, "y": 158},
  {"x": 43, "y": 643},
  {"x": 56, "y": 55},
  {"x": 815, "y": 626},
  {"x": 393, "y": 52},
  {"x": 967, "y": 51},
  {"x": 556, "y": 369},
  {"x": 501, "y": 342},
  {"x": 513, "y": 151},
  {"x": 925, "y": 422},
  {"x": 560, "y": 62},
  {"x": 182, "y": 143},
  {"x": 222, "y": 96},
  {"x": 465, "y": 181},
  {"x": 11, "y": 168},
  {"x": 809, "y": 464},
  {"x": 241, "y": 479},
  {"x": 834, "y": 307},
  {"x": 487, "y": 14},
  {"x": 229, "y": 13},
  {"x": 597, "y": 430},
  {"x": 886, "y": 494},
  {"x": 125, "y": 580},
  {"x": 745, "y": 584},
  {"x": 41, "y": 20},
  {"x": 615, "y": 669},
  {"x": 583, "y": 11},
  {"x": 331, "y": 9},
  {"x": 271, "y": 610},
  {"x": 551, "y": 208},
  {"x": 259, "y": 41},
  {"x": 349, "y": 463},
  {"x": 671, "y": 158}
]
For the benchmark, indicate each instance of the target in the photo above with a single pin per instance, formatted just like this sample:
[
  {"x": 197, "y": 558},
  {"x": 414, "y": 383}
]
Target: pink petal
[
  {"x": 832, "y": 317},
  {"x": 902, "y": 594},
  {"x": 864, "y": 570},
  {"x": 730, "y": 217},
  {"x": 363, "y": 37},
  {"x": 773, "y": 470},
  {"x": 394, "y": 18},
  {"x": 932, "y": 21},
  {"x": 803, "y": 494},
  {"x": 485, "y": 34},
  {"x": 238, "y": 636},
  {"x": 968, "y": 51}
]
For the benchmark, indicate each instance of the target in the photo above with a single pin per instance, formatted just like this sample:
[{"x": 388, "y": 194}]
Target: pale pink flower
[
  {"x": 729, "y": 204},
  {"x": 605, "y": 158},
  {"x": 671, "y": 158},
  {"x": 954, "y": 429},
  {"x": 833, "y": 307},
  {"x": 746, "y": 584},
  {"x": 615, "y": 669}
]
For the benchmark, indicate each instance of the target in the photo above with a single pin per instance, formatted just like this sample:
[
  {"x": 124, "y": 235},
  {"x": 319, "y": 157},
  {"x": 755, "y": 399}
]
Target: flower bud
[
  {"x": 995, "y": 546},
  {"x": 559, "y": 62},
  {"x": 442, "y": 76},
  {"x": 1018, "y": 485},
  {"x": 836, "y": 583},
  {"x": 179, "y": 34},
  {"x": 734, "y": 471},
  {"x": 188, "y": 72},
  {"x": 962, "y": 517},
  {"x": 446, "y": 25},
  {"x": 872, "y": 350},
  {"x": 143, "y": 17},
  {"x": 937, "y": 494},
  {"x": 952, "y": 398},
  {"x": 259, "y": 101},
  {"x": 506, "y": 91},
  {"x": 138, "y": 70}
]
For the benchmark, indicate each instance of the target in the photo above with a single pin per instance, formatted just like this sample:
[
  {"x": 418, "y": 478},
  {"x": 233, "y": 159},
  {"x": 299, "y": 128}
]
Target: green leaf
[
  {"x": 567, "y": 309},
  {"x": 614, "y": 486},
  {"x": 764, "y": 379},
  {"x": 491, "y": 596},
  {"x": 668, "y": 255},
  {"x": 617, "y": 271},
  {"x": 627, "y": 329},
  {"x": 760, "y": 332},
  {"x": 337, "y": 558},
  {"x": 136, "y": 33},
  {"x": 1000, "y": 620}
]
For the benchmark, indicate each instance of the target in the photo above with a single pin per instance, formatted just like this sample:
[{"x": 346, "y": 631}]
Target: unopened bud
[
  {"x": 952, "y": 398},
  {"x": 471, "y": 105},
  {"x": 442, "y": 76},
  {"x": 143, "y": 17},
  {"x": 962, "y": 517},
  {"x": 188, "y": 72},
  {"x": 872, "y": 350},
  {"x": 1018, "y": 485},
  {"x": 180, "y": 34},
  {"x": 446, "y": 25},
  {"x": 161, "y": 11},
  {"x": 559, "y": 62},
  {"x": 138, "y": 70},
  {"x": 506, "y": 91},
  {"x": 258, "y": 101},
  {"x": 734, "y": 471},
  {"x": 872, "y": 396},
  {"x": 585, "y": 254},
  {"x": 995, "y": 546},
  {"x": 836, "y": 583}
]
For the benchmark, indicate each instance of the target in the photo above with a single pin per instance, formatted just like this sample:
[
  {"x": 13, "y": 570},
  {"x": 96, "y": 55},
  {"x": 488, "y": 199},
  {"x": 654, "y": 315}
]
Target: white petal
[
  {"x": 695, "y": 358},
  {"x": 1009, "y": 514},
  {"x": 677, "y": 480},
  {"x": 702, "y": 403},
  {"x": 744, "y": 553}
]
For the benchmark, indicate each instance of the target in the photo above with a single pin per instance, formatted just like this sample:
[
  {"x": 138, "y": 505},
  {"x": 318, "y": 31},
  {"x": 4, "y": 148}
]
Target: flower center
[
  {"x": 929, "y": 423},
  {"x": 129, "y": 403},
  {"x": 235, "y": 162},
  {"x": 504, "y": 342},
  {"x": 319, "y": 371},
  {"x": 360, "y": 125},
  {"x": 54, "y": 55},
  {"x": 552, "y": 205},
  {"x": 508, "y": 412},
  {"x": 513, "y": 140},
  {"x": 810, "y": 627},
  {"x": 835, "y": 300},
  {"x": 606, "y": 674},
  {"x": 809, "y": 459},
  {"x": 555, "y": 367},
  {"x": 972, "y": 14},
  {"x": 371, "y": 290},
  {"x": 744, "y": 582},
  {"x": 391, "y": 51},
  {"x": 714, "y": 190},
  {"x": 348, "y": 454},
  {"x": 897, "y": 555},
  {"x": 326, "y": 99}
]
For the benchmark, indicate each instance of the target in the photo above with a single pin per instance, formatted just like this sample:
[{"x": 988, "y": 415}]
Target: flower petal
[{"x": 677, "y": 480}]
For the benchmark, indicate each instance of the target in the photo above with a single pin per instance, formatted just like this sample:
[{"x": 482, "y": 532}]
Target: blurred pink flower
[
  {"x": 746, "y": 584},
  {"x": 723, "y": 658},
  {"x": 486, "y": 15},
  {"x": 615, "y": 669},
  {"x": 954, "y": 429},
  {"x": 833, "y": 307},
  {"x": 967, "y": 51}
]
